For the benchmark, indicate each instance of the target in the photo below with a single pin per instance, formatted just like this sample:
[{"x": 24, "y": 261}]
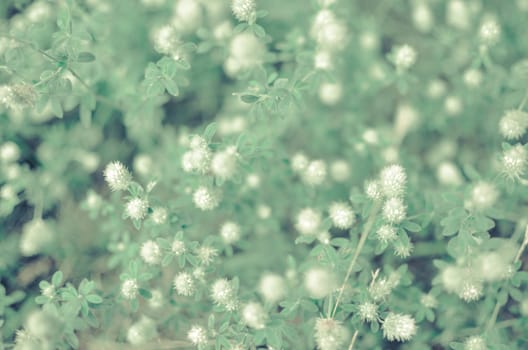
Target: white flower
[
  {"x": 315, "y": 173},
  {"x": 399, "y": 327},
  {"x": 224, "y": 163},
  {"x": 243, "y": 9},
  {"x": 230, "y": 232},
  {"x": 205, "y": 199},
  {"x": 513, "y": 124},
  {"x": 340, "y": 171},
  {"x": 197, "y": 335},
  {"x": 142, "y": 331},
  {"x": 368, "y": 312},
  {"x": 272, "y": 287},
  {"x": 489, "y": 32},
  {"x": 299, "y": 162},
  {"x": 254, "y": 315},
  {"x": 308, "y": 221},
  {"x": 319, "y": 282},
  {"x": 150, "y": 252},
  {"x": 393, "y": 180},
  {"x": 514, "y": 161},
  {"x": 117, "y": 176},
  {"x": 136, "y": 208},
  {"x": 386, "y": 233},
  {"x": 484, "y": 195},
  {"x": 475, "y": 343},
  {"x": 394, "y": 210},
  {"x": 184, "y": 284},
  {"x": 330, "y": 334},
  {"x": 130, "y": 288},
  {"x": 342, "y": 215},
  {"x": 178, "y": 247},
  {"x": 223, "y": 293},
  {"x": 404, "y": 56}
]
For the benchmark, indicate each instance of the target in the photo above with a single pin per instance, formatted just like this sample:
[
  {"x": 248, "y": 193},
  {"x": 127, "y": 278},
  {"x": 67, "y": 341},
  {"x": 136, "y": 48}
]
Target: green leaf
[
  {"x": 259, "y": 31},
  {"x": 145, "y": 293},
  {"x": 210, "y": 131},
  {"x": 85, "y": 57},
  {"x": 57, "y": 278},
  {"x": 172, "y": 87},
  {"x": 94, "y": 299},
  {"x": 411, "y": 226},
  {"x": 249, "y": 98}
]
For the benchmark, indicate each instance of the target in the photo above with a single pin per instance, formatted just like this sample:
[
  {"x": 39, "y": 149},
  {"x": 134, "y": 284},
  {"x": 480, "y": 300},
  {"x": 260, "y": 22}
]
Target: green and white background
[{"x": 263, "y": 174}]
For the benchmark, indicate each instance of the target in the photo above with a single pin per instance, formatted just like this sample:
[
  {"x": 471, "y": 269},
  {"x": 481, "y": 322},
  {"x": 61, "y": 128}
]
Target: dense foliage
[{"x": 306, "y": 174}]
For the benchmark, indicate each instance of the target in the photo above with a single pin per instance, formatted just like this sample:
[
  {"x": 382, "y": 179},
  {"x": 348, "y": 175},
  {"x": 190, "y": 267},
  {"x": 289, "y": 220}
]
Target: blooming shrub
[{"x": 263, "y": 174}]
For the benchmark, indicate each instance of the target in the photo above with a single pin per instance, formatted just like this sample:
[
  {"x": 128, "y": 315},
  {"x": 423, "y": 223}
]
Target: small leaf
[
  {"x": 94, "y": 299},
  {"x": 85, "y": 57},
  {"x": 57, "y": 278},
  {"x": 145, "y": 293},
  {"x": 249, "y": 98}
]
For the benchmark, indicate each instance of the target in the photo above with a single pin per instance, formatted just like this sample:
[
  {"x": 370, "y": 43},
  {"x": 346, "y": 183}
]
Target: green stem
[
  {"x": 361, "y": 244},
  {"x": 353, "y": 341},
  {"x": 496, "y": 309}
]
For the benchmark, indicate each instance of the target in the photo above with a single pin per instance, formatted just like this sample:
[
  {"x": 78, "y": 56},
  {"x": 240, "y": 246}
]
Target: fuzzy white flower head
[
  {"x": 369, "y": 41},
  {"x": 130, "y": 288},
  {"x": 475, "y": 343},
  {"x": 489, "y": 32},
  {"x": 458, "y": 14},
  {"x": 484, "y": 195},
  {"x": 136, "y": 208},
  {"x": 330, "y": 93},
  {"x": 178, "y": 247},
  {"x": 429, "y": 301},
  {"x": 473, "y": 77},
  {"x": 223, "y": 293},
  {"x": 340, "y": 170},
  {"x": 187, "y": 15},
  {"x": 399, "y": 327},
  {"x": 196, "y": 159},
  {"x": 315, "y": 173},
  {"x": 386, "y": 233},
  {"x": 246, "y": 51},
  {"x": 207, "y": 254},
  {"x": 514, "y": 161},
  {"x": 404, "y": 56},
  {"x": 165, "y": 39},
  {"x": 157, "y": 300},
  {"x": 453, "y": 105},
  {"x": 323, "y": 60},
  {"x": 330, "y": 334},
  {"x": 370, "y": 136},
  {"x": 393, "y": 180},
  {"x": 383, "y": 287},
  {"x": 205, "y": 199},
  {"x": 394, "y": 210},
  {"x": 224, "y": 164},
  {"x": 230, "y": 232},
  {"x": 142, "y": 331},
  {"x": 342, "y": 215},
  {"x": 470, "y": 291},
  {"x": 448, "y": 174},
  {"x": 184, "y": 284},
  {"x": 299, "y": 162},
  {"x": 159, "y": 215},
  {"x": 308, "y": 221},
  {"x": 319, "y": 282},
  {"x": 272, "y": 287},
  {"x": 263, "y": 211},
  {"x": 253, "y": 181},
  {"x": 9, "y": 152},
  {"x": 513, "y": 124},
  {"x": 254, "y": 315},
  {"x": 243, "y": 9},
  {"x": 422, "y": 16},
  {"x": 368, "y": 312},
  {"x": 197, "y": 335},
  {"x": 373, "y": 190},
  {"x": 36, "y": 236},
  {"x": 329, "y": 32},
  {"x": 117, "y": 176},
  {"x": 436, "y": 88},
  {"x": 150, "y": 253}
]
